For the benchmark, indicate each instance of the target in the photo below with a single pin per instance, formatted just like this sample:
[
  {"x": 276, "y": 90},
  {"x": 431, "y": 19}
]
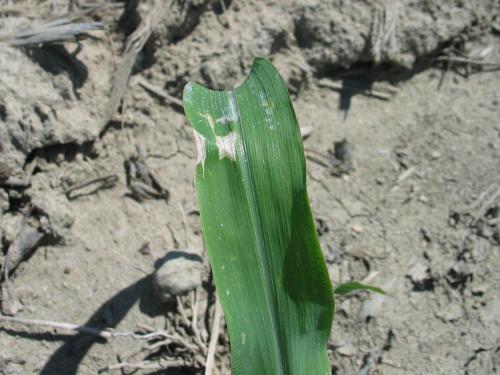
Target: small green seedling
[{"x": 268, "y": 267}]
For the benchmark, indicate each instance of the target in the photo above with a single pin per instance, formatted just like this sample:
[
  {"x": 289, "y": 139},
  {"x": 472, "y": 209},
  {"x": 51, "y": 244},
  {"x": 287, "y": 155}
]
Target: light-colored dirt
[{"x": 416, "y": 215}]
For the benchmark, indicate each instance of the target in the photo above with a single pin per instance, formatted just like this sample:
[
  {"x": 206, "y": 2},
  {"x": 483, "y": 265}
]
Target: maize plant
[{"x": 258, "y": 228}]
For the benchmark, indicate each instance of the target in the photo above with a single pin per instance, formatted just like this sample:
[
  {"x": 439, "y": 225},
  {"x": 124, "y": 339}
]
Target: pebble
[
  {"x": 423, "y": 199},
  {"x": 180, "y": 272},
  {"x": 372, "y": 306},
  {"x": 347, "y": 350},
  {"x": 418, "y": 273},
  {"x": 357, "y": 228},
  {"x": 435, "y": 154}
]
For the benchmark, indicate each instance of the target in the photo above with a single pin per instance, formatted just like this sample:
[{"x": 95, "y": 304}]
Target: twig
[
  {"x": 158, "y": 91},
  {"x": 68, "y": 326},
  {"x": 107, "y": 181},
  {"x": 180, "y": 307},
  {"x": 214, "y": 336},
  {"x": 172, "y": 340},
  {"x": 404, "y": 175},
  {"x": 325, "y": 160},
  {"x": 147, "y": 365},
  {"x": 465, "y": 60},
  {"x": 106, "y": 334},
  {"x": 316, "y": 160},
  {"x": 490, "y": 189},
  {"x": 13, "y": 11},
  {"x": 184, "y": 224},
  {"x": 196, "y": 333},
  {"x": 480, "y": 213},
  {"x": 58, "y": 31},
  {"x": 383, "y": 31},
  {"x": 88, "y": 9},
  {"x": 194, "y": 304},
  {"x": 16, "y": 183},
  {"x": 134, "y": 45}
]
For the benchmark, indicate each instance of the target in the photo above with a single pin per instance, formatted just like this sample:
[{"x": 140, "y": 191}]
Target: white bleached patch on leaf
[
  {"x": 227, "y": 146},
  {"x": 201, "y": 147},
  {"x": 226, "y": 119}
]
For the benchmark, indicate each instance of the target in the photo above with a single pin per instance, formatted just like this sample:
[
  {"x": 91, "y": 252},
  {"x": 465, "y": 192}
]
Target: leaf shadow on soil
[
  {"x": 56, "y": 59},
  {"x": 66, "y": 360}
]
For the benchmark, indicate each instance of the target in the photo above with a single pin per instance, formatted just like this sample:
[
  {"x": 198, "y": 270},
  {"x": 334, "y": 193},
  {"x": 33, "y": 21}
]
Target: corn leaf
[
  {"x": 258, "y": 228},
  {"x": 353, "y": 286}
]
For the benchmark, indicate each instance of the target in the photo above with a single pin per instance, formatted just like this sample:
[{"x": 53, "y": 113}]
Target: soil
[{"x": 411, "y": 204}]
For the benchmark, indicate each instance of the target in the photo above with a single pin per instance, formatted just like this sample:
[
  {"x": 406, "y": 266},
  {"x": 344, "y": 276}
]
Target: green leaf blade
[
  {"x": 353, "y": 286},
  {"x": 257, "y": 224}
]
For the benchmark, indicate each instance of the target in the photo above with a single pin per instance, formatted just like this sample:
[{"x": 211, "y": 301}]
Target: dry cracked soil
[{"x": 400, "y": 100}]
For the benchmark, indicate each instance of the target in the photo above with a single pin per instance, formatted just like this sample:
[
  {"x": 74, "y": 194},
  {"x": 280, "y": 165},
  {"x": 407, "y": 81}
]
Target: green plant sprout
[{"x": 268, "y": 267}]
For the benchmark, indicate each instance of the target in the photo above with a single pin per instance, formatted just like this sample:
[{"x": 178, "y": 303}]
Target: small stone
[
  {"x": 347, "y": 350},
  {"x": 423, "y": 199},
  {"x": 357, "y": 229},
  {"x": 435, "y": 154},
  {"x": 179, "y": 272},
  {"x": 418, "y": 273},
  {"x": 372, "y": 306}
]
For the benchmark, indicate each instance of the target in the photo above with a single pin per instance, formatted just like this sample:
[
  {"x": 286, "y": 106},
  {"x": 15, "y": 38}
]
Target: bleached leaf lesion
[
  {"x": 201, "y": 147},
  {"x": 227, "y": 146}
]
